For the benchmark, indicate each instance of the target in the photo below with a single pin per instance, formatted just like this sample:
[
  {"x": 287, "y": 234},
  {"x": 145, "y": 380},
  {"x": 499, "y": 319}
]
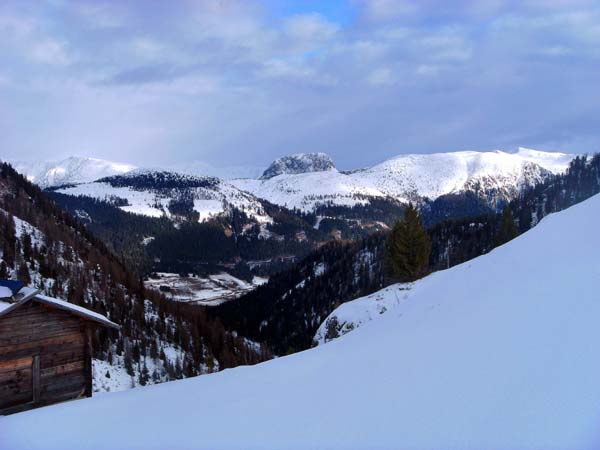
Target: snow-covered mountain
[
  {"x": 494, "y": 175},
  {"x": 306, "y": 181},
  {"x": 161, "y": 193},
  {"x": 499, "y": 352},
  {"x": 71, "y": 170},
  {"x": 299, "y": 163}
]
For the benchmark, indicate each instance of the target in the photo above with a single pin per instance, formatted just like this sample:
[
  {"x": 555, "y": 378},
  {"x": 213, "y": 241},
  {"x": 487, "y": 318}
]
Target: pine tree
[
  {"x": 144, "y": 375},
  {"x": 128, "y": 362},
  {"x": 407, "y": 248},
  {"x": 26, "y": 245},
  {"x": 23, "y": 273},
  {"x": 508, "y": 229},
  {"x": 525, "y": 218},
  {"x": 3, "y": 271}
]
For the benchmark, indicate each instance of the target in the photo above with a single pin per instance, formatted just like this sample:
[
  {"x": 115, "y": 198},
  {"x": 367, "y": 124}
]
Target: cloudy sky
[{"x": 239, "y": 82}]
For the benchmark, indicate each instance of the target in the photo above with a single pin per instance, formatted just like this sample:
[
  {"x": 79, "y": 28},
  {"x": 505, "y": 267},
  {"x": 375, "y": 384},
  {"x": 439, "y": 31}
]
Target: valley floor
[
  {"x": 211, "y": 290},
  {"x": 498, "y": 353}
]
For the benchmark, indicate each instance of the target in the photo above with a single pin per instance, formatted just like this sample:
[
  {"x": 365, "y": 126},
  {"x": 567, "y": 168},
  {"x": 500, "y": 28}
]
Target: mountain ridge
[
  {"x": 299, "y": 163},
  {"x": 158, "y": 193},
  {"x": 411, "y": 177},
  {"x": 71, "y": 170},
  {"x": 306, "y": 181}
]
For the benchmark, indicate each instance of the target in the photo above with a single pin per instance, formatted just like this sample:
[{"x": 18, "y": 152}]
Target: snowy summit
[
  {"x": 71, "y": 170},
  {"x": 491, "y": 174},
  {"x": 299, "y": 163}
]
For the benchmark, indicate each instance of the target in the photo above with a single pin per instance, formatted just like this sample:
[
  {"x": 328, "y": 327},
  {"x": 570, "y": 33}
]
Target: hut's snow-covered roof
[
  {"x": 28, "y": 294},
  {"x": 4, "y": 305},
  {"x": 5, "y": 292},
  {"x": 13, "y": 285}
]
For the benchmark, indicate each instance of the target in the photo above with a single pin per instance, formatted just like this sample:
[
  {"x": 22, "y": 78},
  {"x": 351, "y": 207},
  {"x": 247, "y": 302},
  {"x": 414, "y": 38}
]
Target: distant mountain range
[
  {"x": 308, "y": 181},
  {"x": 72, "y": 170},
  {"x": 314, "y": 180},
  {"x": 299, "y": 202}
]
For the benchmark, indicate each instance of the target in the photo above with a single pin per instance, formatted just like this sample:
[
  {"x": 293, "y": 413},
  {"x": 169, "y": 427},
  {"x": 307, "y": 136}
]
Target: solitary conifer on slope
[
  {"x": 508, "y": 229},
  {"x": 407, "y": 248}
]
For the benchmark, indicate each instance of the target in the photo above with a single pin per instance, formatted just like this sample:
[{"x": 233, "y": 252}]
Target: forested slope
[{"x": 159, "y": 340}]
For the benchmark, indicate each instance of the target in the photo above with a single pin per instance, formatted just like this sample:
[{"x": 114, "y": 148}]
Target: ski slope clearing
[{"x": 497, "y": 353}]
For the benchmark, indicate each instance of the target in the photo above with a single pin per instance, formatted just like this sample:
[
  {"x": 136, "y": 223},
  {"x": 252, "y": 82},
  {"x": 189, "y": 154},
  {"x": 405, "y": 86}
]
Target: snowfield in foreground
[{"x": 497, "y": 353}]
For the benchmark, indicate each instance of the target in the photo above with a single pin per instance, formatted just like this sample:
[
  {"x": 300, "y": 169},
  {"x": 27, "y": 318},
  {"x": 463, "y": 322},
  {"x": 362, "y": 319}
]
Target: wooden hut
[{"x": 45, "y": 349}]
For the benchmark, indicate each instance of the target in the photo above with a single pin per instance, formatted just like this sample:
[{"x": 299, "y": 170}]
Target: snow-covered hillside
[
  {"x": 160, "y": 193},
  {"x": 69, "y": 171},
  {"x": 500, "y": 352},
  {"x": 350, "y": 315},
  {"x": 492, "y": 175}
]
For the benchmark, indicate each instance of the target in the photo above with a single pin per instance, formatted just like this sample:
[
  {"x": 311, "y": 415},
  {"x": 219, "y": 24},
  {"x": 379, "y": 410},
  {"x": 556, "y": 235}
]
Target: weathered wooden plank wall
[{"x": 55, "y": 342}]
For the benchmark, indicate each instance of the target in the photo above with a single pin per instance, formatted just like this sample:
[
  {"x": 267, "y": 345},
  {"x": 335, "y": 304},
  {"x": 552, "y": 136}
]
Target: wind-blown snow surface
[
  {"x": 497, "y": 353},
  {"x": 407, "y": 177},
  {"x": 350, "y": 315},
  {"x": 71, "y": 170}
]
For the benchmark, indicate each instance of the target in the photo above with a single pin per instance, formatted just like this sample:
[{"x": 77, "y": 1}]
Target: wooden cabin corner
[{"x": 45, "y": 353}]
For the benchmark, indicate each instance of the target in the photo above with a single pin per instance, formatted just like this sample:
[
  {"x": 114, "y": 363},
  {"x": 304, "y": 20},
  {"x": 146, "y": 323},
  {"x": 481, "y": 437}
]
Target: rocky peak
[{"x": 299, "y": 163}]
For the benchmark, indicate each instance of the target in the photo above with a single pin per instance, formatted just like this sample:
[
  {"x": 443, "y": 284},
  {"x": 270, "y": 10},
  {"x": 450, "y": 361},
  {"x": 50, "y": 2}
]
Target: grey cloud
[
  {"x": 226, "y": 83},
  {"x": 145, "y": 74}
]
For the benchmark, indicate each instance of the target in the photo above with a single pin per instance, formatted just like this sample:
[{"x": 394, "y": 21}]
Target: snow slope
[
  {"x": 71, "y": 170},
  {"x": 150, "y": 192},
  {"x": 409, "y": 177},
  {"x": 350, "y": 315},
  {"x": 497, "y": 353}
]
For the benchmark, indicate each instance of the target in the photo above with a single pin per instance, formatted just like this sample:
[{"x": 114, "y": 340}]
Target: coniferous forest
[{"x": 57, "y": 253}]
